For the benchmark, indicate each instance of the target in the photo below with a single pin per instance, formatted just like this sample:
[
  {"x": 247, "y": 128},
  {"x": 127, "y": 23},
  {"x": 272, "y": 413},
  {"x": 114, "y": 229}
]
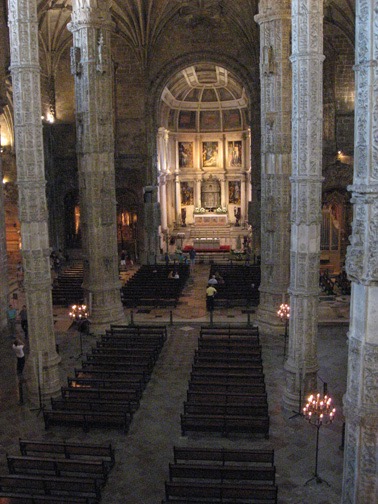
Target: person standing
[
  {"x": 11, "y": 315},
  {"x": 24, "y": 320},
  {"x": 192, "y": 256},
  {"x": 211, "y": 291},
  {"x": 18, "y": 349}
]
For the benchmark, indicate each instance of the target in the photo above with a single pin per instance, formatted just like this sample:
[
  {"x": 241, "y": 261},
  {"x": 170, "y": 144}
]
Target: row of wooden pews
[
  {"x": 56, "y": 473},
  {"x": 151, "y": 286},
  {"x": 226, "y": 391},
  {"x": 106, "y": 390},
  {"x": 218, "y": 475},
  {"x": 240, "y": 287}
]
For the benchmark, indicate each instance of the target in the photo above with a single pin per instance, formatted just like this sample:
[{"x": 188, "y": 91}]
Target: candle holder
[
  {"x": 318, "y": 411},
  {"x": 79, "y": 314},
  {"x": 284, "y": 314}
]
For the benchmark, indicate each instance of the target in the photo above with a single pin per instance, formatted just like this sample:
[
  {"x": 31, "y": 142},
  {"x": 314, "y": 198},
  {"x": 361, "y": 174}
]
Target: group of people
[{"x": 211, "y": 291}]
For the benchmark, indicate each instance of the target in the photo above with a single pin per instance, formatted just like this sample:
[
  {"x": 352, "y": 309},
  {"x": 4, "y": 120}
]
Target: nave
[{"x": 143, "y": 455}]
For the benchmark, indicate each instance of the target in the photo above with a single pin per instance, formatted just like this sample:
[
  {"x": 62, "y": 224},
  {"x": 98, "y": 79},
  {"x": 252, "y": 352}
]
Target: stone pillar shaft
[
  {"x": 178, "y": 198},
  {"x": 274, "y": 19},
  {"x": 307, "y": 68},
  {"x": 4, "y": 290},
  {"x": 92, "y": 66},
  {"x": 42, "y": 364},
  {"x": 360, "y": 484}
]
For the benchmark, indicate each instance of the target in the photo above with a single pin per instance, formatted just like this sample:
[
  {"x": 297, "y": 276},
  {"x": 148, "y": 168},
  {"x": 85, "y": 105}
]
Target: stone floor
[{"x": 143, "y": 455}]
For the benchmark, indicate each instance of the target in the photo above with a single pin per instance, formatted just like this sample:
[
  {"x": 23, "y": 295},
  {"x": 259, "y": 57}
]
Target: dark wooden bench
[
  {"x": 214, "y": 386},
  {"x": 93, "y": 405},
  {"x": 129, "y": 353},
  {"x": 228, "y": 331},
  {"x": 51, "y": 485},
  {"x": 229, "y": 346},
  {"x": 145, "y": 363},
  {"x": 101, "y": 393},
  {"x": 229, "y": 355},
  {"x": 226, "y": 378},
  {"x": 226, "y": 398},
  {"x": 14, "y": 498},
  {"x": 136, "y": 369},
  {"x": 223, "y": 455},
  {"x": 58, "y": 467},
  {"x": 128, "y": 382},
  {"x": 87, "y": 419},
  {"x": 68, "y": 450},
  {"x": 196, "y": 492},
  {"x": 106, "y": 372},
  {"x": 146, "y": 330},
  {"x": 225, "y": 424},
  {"x": 225, "y": 409},
  {"x": 222, "y": 473},
  {"x": 221, "y": 367},
  {"x": 123, "y": 343}
]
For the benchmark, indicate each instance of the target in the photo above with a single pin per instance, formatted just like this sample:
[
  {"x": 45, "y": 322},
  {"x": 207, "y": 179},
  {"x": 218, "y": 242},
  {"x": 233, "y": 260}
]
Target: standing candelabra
[
  {"x": 318, "y": 411},
  {"x": 79, "y": 314},
  {"x": 284, "y": 314}
]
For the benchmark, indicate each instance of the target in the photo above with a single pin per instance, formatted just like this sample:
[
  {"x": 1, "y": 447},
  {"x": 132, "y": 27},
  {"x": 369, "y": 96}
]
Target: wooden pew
[
  {"x": 101, "y": 393},
  {"x": 220, "y": 492},
  {"x": 18, "y": 498},
  {"x": 53, "y": 485},
  {"x": 135, "y": 353},
  {"x": 227, "y": 378},
  {"x": 97, "y": 469},
  {"x": 145, "y": 330},
  {"x": 146, "y": 363},
  {"x": 68, "y": 450},
  {"x": 226, "y": 398},
  {"x": 86, "y": 419},
  {"x": 228, "y": 331},
  {"x": 128, "y": 382},
  {"x": 93, "y": 405},
  {"x": 106, "y": 372},
  {"x": 223, "y": 455},
  {"x": 226, "y": 409},
  {"x": 133, "y": 368},
  {"x": 222, "y": 473},
  {"x": 225, "y": 424},
  {"x": 230, "y": 387},
  {"x": 219, "y": 367}
]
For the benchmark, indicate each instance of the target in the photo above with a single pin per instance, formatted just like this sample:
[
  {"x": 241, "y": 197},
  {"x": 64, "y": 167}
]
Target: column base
[
  {"x": 101, "y": 320},
  {"x": 298, "y": 385},
  {"x": 267, "y": 318},
  {"x": 42, "y": 377}
]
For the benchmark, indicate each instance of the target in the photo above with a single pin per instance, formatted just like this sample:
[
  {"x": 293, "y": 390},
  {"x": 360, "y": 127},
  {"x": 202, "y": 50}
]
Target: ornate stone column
[
  {"x": 360, "y": 484},
  {"x": 42, "y": 363},
  {"x": 307, "y": 45},
  {"x": 198, "y": 182},
  {"x": 163, "y": 201},
  {"x": 91, "y": 65},
  {"x": 178, "y": 198},
  {"x": 4, "y": 291},
  {"x": 274, "y": 19}
]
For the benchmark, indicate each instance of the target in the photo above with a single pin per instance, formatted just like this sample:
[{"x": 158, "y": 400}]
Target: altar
[
  {"x": 210, "y": 219},
  {"x": 206, "y": 243}
]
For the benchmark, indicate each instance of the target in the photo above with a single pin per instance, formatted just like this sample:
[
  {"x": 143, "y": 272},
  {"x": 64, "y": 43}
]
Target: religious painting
[
  {"x": 234, "y": 192},
  {"x": 187, "y": 193},
  {"x": 187, "y": 120},
  {"x": 209, "y": 154},
  {"x": 235, "y": 153},
  {"x": 210, "y": 120},
  {"x": 185, "y": 150},
  {"x": 232, "y": 120}
]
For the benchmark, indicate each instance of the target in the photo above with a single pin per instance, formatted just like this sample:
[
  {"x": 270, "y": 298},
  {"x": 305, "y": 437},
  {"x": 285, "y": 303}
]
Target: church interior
[{"x": 134, "y": 132}]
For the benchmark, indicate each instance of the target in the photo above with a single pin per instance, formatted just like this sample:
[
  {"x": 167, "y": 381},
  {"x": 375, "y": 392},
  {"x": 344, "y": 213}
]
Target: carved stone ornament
[
  {"x": 267, "y": 64},
  {"x": 103, "y": 55}
]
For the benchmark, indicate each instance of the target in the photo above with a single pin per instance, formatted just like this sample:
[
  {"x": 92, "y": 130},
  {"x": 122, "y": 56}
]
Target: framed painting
[
  {"x": 209, "y": 154},
  {"x": 187, "y": 193},
  {"x": 185, "y": 151},
  {"x": 234, "y": 192},
  {"x": 235, "y": 153},
  {"x": 232, "y": 120}
]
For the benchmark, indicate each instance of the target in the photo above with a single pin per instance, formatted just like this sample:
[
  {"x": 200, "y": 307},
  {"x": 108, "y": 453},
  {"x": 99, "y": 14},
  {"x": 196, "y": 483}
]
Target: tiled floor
[{"x": 144, "y": 453}]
